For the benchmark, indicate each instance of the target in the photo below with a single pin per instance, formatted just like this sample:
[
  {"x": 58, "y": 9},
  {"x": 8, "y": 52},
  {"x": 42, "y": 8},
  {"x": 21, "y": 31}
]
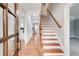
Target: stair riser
[{"x": 49, "y": 41}]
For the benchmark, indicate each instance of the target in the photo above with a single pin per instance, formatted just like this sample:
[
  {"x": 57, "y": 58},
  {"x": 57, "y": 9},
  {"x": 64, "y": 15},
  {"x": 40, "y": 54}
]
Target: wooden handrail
[
  {"x": 1, "y": 39},
  {"x": 3, "y": 5},
  {"x": 10, "y": 36},
  {"x": 11, "y": 12},
  {"x": 54, "y": 19}
]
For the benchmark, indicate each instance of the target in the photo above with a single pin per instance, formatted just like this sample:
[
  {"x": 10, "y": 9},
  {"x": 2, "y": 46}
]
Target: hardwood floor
[{"x": 30, "y": 49}]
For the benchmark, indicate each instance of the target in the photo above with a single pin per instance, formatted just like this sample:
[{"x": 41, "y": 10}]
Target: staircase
[{"x": 49, "y": 39}]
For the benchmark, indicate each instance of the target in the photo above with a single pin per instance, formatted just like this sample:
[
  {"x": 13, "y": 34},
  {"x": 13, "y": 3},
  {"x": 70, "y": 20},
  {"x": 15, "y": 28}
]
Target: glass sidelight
[
  {"x": 10, "y": 33},
  {"x": 8, "y": 29},
  {"x": 1, "y": 31}
]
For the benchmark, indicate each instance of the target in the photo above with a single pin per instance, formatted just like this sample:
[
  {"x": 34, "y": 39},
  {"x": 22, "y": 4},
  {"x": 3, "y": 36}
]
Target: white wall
[
  {"x": 67, "y": 31},
  {"x": 29, "y": 28},
  {"x": 27, "y": 24},
  {"x": 28, "y": 9}
]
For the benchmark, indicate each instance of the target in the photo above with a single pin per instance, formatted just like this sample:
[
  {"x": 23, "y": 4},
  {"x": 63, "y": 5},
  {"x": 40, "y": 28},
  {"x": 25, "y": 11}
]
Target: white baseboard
[{"x": 74, "y": 37}]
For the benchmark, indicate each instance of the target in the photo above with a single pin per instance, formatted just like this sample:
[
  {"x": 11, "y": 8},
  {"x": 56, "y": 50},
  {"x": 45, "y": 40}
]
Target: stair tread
[
  {"x": 45, "y": 26},
  {"x": 47, "y": 31},
  {"x": 52, "y": 51},
  {"x": 51, "y": 44},
  {"x": 48, "y": 35},
  {"x": 49, "y": 39},
  {"x": 53, "y": 30}
]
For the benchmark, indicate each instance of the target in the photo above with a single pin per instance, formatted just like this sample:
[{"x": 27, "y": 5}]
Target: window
[
  {"x": 8, "y": 30},
  {"x": 1, "y": 31}
]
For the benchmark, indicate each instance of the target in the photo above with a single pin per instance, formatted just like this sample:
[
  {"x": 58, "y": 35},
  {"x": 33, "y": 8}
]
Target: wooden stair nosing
[
  {"x": 48, "y": 35},
  {"x": 49, "y": 39},
  {"x": 47, "y": 32},
  {"x": 52, "y": 51},
  {"x": 46, "y": 26},
  {"x": 51, "y": 44},
  {"x": 46, "y": 29}
]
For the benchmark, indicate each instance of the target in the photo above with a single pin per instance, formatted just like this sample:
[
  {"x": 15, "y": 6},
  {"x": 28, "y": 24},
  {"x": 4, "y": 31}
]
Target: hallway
[{"x": 50, "y": 45}]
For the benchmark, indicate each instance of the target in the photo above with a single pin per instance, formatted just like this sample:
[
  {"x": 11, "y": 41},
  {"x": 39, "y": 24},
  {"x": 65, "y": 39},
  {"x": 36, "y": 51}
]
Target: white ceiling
[{"x": 31, "y": 8}]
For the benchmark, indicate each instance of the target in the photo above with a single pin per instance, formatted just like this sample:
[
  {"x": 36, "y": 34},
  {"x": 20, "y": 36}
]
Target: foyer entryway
[{"x": 50, "y": 45}]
